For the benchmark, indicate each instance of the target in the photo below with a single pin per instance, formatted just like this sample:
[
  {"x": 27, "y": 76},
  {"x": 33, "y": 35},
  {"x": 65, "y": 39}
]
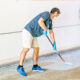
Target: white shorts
[{"x": 28, "y": 40}]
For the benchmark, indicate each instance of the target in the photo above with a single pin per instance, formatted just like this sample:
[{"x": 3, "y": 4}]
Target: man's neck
[{"x": 51, "y": 16}]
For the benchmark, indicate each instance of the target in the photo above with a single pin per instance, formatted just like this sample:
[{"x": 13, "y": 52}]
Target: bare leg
[
  {"x": 23, "y": 54},
  {"x": 35, "y": 56}
]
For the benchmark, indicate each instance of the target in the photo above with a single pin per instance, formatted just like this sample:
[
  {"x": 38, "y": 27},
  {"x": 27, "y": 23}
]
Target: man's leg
[
  {"x": 27, "y": 43},
  {"x": 36, "y": 67},
  {"x": 35, "y": 55},
  {"x": 20, "y": 67},
  {"x": 22, "y": 55}
]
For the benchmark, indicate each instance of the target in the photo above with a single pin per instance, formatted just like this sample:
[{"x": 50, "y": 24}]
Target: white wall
[
  {"x": 7, "y": 15},
  {"x": 15, "y": 15}
]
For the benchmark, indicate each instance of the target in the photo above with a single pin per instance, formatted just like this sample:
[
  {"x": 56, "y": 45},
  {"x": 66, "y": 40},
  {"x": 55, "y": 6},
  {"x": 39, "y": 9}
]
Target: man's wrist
[
  {"x": 45, "y": 33},
  {"x": 45, "y": 29},
  {"x": 54, "y": 41}
]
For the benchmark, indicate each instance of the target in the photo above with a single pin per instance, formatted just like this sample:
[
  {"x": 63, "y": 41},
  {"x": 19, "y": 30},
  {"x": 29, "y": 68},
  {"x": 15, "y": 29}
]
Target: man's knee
[
  {"x": 36, "y": 49},
  {"x": 25, "y": 50}
]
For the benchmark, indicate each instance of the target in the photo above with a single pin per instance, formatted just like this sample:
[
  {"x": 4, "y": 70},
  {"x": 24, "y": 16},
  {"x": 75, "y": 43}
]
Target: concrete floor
[{"x": 56, "y": 69}]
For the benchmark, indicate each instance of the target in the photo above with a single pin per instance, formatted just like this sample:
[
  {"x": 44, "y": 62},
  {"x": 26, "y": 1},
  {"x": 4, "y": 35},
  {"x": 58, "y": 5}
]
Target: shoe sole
[
  {"x": 21, "y": 74},
  {"x": 37, "y": 71}
]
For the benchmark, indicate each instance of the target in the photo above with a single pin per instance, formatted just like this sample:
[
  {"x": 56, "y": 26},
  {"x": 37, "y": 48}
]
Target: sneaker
[
  {"x": 38, "y": 68},
  {"x": 21, "y": 71}
]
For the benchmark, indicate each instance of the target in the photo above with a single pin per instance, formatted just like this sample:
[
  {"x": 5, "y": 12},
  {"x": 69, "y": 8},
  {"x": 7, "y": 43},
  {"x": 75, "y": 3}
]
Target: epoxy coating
[{"x": 69, "y": 56}]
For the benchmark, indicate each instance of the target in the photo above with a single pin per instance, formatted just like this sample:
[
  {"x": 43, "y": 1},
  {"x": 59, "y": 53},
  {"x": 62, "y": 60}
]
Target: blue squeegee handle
[{"x": 52, "y": 45}]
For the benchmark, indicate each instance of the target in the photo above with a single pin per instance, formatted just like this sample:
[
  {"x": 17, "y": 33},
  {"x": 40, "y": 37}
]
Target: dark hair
[{"x": 55, "y": 10}]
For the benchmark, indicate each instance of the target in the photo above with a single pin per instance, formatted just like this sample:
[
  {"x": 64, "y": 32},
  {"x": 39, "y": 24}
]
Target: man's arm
[
  {"x": 42, "y": 24},
  {"x": 52, "y": 35},
  {"x": 53, "y": 39}
]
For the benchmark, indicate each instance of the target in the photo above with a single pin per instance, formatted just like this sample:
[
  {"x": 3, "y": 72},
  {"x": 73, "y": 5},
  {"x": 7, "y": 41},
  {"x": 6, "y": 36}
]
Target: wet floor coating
[
  {"x": 70, "y": 57},
  {"x": 56, "y": 69}
]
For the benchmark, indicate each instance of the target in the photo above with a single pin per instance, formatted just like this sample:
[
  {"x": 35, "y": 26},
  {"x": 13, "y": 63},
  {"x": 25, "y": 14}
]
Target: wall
[{"x": 14, "y": 15}]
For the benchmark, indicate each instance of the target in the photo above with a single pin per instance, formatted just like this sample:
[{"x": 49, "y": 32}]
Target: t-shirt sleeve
[
  {"x": 45, "y": 15},
  {"x": 50, "y": 25}
]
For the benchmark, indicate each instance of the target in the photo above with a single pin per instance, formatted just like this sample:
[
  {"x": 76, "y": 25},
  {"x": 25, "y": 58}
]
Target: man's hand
[{"x": 54, "y": 45}]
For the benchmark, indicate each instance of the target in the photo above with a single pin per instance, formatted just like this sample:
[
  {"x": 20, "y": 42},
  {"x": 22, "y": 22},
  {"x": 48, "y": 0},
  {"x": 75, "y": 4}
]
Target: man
[{"x": 35, "y": 28}]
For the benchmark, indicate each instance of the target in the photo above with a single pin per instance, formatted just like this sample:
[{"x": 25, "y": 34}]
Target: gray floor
[{"x": 54, "y": 67}]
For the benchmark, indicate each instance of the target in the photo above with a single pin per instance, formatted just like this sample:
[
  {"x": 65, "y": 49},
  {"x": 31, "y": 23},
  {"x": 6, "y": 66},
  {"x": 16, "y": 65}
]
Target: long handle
[{"x": 52, "y": 45}]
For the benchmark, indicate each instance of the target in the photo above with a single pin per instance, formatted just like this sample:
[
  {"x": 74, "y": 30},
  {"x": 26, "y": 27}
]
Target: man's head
[{"x": 54, "y": 12}]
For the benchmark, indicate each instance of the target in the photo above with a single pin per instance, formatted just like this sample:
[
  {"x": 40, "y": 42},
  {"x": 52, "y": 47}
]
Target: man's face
[{"x": 55, "y": 14}]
